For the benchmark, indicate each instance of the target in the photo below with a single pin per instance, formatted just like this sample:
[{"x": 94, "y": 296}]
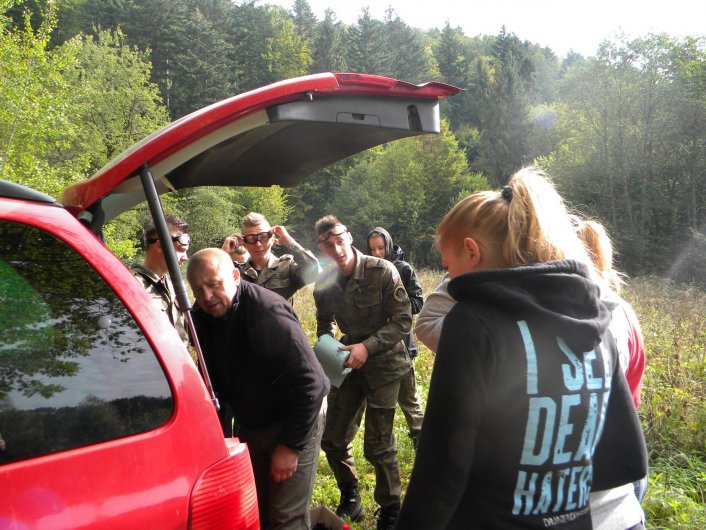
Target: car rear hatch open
[{"x": 275, "y": 135}]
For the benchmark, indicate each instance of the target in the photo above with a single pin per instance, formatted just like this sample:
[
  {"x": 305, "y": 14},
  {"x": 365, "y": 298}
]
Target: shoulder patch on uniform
[{"x": 400, "y": 293}]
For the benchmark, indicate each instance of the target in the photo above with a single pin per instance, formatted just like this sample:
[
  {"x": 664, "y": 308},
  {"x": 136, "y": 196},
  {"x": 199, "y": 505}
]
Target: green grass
[
  {"x": 673, "y": 409},
  {"x": 675, "y": 499}
]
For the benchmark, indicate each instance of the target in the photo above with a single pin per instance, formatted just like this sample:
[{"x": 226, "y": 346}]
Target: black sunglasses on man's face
[
  {"x": 262, "y": 237},
  {"x": 182, "y": 239}
]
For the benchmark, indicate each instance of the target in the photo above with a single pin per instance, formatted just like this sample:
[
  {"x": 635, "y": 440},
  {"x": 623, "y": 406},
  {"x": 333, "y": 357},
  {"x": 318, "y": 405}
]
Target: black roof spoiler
[{"x": 18, "y": 191}]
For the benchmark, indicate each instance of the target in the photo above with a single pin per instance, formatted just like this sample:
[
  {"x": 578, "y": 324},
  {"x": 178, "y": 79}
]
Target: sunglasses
[
  {"x": 262, "y": 237},
  {"x": 182, "y": 239}
]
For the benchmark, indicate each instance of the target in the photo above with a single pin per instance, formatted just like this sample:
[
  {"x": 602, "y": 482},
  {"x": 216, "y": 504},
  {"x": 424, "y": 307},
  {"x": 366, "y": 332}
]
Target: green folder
[{"x": 332, "y": 359}]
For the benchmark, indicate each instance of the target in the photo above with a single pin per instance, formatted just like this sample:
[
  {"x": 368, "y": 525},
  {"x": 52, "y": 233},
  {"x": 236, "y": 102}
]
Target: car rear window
[{"x": 75, "y": 369}]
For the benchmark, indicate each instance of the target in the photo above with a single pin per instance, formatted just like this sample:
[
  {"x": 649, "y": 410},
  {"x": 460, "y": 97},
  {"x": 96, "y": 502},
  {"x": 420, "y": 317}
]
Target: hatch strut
[{"x": 183, "y": 302}]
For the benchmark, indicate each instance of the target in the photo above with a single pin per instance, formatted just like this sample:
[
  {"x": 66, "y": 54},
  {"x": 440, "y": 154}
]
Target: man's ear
[
  {"x": 473, "y": 251},
  {"x": 350, "y": 237},
  {"x": 236, "y": 274}
]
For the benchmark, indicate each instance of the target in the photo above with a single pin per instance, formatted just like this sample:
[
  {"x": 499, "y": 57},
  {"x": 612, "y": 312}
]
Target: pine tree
[
  {"x": 367, "y": 49},
  {"x": 409, "y": 58},
  {"x": 453, "y": 64},
  {"x": 329, "y": 45},
  {"x": 287, "y": 53},
  {"x": 304, "y": 21},
  {"x": 203, "y": 70},
  {"x": 250, "y": 27},
  {"x": 449, "y": 54},
  {"x": 505, "y": 111}
]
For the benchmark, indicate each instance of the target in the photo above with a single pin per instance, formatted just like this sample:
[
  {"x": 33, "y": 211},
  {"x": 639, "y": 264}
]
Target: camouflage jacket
[
  {"x": 285, "y": 274},
  {"x": 373, "y": 308},
  {"x": 162, "y": 293}
]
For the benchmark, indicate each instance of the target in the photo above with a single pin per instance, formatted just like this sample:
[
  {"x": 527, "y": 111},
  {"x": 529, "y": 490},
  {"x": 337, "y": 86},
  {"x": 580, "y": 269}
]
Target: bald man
[{"x": 263, "y": 368}]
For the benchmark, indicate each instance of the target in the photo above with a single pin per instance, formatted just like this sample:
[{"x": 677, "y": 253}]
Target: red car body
[{"x": 173, "y": 469}]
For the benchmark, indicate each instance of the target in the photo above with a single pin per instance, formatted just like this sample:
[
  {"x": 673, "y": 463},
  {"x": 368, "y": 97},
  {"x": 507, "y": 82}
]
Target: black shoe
[
  {"x": 415, "y": 440},
  {"x": 351, "y": 506},
  {"x": 388, "y": 517}
]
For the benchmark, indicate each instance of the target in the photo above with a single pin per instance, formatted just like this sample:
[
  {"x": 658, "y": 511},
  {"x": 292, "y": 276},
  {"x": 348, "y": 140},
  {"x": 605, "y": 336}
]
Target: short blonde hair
[
  {"x": 527, "y": 221},
  {"x": 253, "y": 219}
]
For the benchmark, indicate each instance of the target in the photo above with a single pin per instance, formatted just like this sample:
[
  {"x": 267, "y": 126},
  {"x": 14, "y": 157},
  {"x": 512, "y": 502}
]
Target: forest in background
[{"x": 622, "y": 133}]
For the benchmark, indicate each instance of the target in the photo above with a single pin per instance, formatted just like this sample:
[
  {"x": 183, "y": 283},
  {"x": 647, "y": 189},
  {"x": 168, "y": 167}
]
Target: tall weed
[{"x": 673, "y": 408}]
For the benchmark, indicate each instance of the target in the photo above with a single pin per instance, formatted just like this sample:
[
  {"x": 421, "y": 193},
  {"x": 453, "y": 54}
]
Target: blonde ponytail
[{"x": 527, "y": 220}]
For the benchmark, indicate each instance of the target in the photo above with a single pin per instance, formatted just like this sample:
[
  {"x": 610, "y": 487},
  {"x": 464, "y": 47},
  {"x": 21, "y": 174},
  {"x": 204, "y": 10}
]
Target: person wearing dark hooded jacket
[
  {"x": 528, "y": 409},
  {"x": 380, "y": 245}
]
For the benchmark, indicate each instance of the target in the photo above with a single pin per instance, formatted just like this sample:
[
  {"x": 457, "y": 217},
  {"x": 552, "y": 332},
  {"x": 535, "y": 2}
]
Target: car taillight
[{"x": 224, "y": 497}]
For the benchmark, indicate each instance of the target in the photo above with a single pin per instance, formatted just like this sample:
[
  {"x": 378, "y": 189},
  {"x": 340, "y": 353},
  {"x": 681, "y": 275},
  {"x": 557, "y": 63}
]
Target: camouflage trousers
[
  {"x": 346, "y": 406},
  {"x": 409, "y": 403}
]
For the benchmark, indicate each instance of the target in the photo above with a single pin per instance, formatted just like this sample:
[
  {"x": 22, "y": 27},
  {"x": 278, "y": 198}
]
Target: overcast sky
[{"x": 562, "y": 25}]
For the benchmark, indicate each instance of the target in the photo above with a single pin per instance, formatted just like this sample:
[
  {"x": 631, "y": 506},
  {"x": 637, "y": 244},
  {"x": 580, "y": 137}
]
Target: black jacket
[
  {"x": 409, "y": 278},
  {"x": 394, "y": 254},
  {"x": 261, "y": 364},
  {"x": 516, "y": 403}
]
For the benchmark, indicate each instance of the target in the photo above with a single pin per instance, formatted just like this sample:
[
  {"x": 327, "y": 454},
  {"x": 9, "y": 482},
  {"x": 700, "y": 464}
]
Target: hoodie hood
[
  {"x": 380, "y": 231},
  {"x": 558, "y": 293},
  {"x": 393, "y": 252}
]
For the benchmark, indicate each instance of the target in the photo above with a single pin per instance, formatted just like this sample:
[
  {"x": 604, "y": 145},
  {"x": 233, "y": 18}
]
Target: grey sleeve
[{"x": 430, "y": 319}]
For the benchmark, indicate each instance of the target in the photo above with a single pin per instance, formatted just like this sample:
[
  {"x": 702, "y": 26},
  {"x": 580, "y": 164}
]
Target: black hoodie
[
  {"x": 395, "y": 255},
  {"x": 517, "y": 401}
]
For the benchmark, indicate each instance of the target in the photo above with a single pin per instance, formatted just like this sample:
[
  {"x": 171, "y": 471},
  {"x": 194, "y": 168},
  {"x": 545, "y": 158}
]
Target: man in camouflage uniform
[
  {"x": 153, "y": 275},
  {"x": 366, "y": 298},
  {"x": 285, "y": 274}
]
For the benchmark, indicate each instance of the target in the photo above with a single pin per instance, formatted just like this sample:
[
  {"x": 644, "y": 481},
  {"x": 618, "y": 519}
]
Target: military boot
[
  {"x": 351, "y": 506},
  {"x": 388, "y": 517}
]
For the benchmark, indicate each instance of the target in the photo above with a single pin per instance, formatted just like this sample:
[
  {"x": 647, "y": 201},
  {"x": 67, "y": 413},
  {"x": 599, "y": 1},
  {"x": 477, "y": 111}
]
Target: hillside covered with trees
[{"x": 623, "y": 132}]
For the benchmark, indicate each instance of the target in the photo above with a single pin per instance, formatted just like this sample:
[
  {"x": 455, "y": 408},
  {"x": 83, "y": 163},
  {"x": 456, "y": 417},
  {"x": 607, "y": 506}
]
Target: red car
[{"x": 105, "y": 421}]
